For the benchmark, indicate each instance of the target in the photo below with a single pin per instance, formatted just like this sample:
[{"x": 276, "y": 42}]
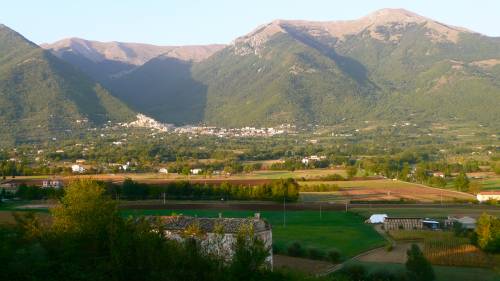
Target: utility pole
[
  {"x": 346, "y": 202},
  {"x": 164, "y": 202}
]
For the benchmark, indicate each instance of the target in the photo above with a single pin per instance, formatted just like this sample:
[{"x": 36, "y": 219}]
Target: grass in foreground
[
  {"x": 443, "y": 273},
  {"x": 345, "y": 232}
]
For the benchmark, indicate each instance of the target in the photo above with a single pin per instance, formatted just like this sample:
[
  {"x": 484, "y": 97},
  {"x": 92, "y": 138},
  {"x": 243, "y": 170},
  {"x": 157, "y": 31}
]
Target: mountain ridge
[{"x": 383, "y": 66}]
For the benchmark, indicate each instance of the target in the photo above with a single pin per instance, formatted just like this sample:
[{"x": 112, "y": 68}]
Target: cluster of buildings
[
  {"x": 235, "y": 132},
  {"x": 144, "y": 121},
  {"x": 418, "y": 223},
  {"x": 313, "y": 158}
]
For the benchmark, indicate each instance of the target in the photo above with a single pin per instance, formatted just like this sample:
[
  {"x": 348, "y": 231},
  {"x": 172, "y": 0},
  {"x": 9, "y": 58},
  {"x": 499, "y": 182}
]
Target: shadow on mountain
[
  {"x": 350, "y": 66},
  {"x": 163, "y": 88},
  {"x": 99, "y": 71}
]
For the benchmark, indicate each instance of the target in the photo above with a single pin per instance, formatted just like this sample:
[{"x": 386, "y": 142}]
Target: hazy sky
[{"x": 185, "y": 22}]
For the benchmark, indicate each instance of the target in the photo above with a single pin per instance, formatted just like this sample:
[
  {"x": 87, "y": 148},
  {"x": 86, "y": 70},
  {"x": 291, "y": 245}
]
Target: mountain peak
[
  {"x": 396, "y": 19},
  {"x": 389, "y": 14}
]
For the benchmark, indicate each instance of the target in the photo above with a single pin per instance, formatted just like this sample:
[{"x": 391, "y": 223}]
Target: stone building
[{"x": 217, "y": 235}]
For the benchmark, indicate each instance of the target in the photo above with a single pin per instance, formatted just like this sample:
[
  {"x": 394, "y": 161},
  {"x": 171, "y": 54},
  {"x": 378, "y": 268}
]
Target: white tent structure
[{"x": 377, "y": 218}]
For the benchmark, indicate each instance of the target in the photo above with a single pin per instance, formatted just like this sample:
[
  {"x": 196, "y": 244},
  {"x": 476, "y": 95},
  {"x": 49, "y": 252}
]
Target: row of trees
[{"x": 277, "y": 190}]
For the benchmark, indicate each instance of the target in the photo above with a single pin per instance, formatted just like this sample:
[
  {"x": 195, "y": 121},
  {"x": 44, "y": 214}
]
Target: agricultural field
[
  {"x": 491, "y": 184},
  {"x": 345, "y": 232},
  {"x": 381, "y": 190},
  {"x": 444, "y": 248},
  {"x": 252, "y": 178}
]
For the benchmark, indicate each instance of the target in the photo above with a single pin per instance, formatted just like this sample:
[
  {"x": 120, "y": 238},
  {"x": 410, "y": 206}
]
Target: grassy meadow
[
  {"x": 345, "y": 232},
  {"x": 443, "y": 273}
]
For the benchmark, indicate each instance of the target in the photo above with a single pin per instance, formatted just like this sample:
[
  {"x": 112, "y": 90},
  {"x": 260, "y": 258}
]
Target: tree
[
  {"x": 475, "y": 187},
  {"x": 462, "y": 182},
  {"x": 351, "y": 171},
  {"x": 418, "y": 268},
  {"x": 488, "y": 233},
  {"x": 85, "y": 209},
  {"x": 185, "y": 170},
  {"x": 250, "y": 255}
]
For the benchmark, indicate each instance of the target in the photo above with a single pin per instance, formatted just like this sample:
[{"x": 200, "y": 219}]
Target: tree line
[{"x": 277, "y": 190}]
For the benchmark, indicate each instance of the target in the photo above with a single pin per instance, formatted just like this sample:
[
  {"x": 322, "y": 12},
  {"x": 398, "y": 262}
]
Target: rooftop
[
  {"x": 492, "y": 192},
  {"x": 207, "y": 225}
]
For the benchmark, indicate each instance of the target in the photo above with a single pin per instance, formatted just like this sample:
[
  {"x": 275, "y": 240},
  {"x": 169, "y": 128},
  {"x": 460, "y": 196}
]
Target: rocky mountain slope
[{"x": 104, "y": 60}]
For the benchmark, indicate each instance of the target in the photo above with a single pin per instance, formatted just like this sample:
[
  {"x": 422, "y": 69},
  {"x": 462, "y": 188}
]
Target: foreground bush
[{"x": 89, "y": 240}]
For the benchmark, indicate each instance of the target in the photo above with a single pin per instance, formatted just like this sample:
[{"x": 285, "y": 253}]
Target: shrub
[
  {"x": 276, "y": 250},
  {"x": 354, "y": 272},
  {"x": 295, "y": 250},
  {"x": 334, "y": 256},
  {"x": 315, "y": 254}
]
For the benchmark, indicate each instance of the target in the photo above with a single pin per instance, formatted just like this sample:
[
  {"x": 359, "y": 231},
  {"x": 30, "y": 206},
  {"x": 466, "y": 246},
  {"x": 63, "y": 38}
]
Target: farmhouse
[
  {"x": 195, "y": 171},
  {"x": 312, "y": 158},
  {"x": 9, "y": 186},
  {"x": 466, "y": 222},
  {"x": 52, "y": 184},
  {"x": 438, "y": 175},
  {"x": 217, "y": 235},
  {"x": 391, "y": 223},
  {"x": 488, "y": 195},
  {"x": 77, "y": 168}
]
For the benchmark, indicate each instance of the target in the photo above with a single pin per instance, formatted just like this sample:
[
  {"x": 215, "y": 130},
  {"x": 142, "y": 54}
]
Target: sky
[{"x": 191, "y": 22}]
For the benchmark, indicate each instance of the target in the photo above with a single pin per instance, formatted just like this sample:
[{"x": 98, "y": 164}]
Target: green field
[
  {"x": 443, "y": 273},
  {"x": 345, "y": 232},
  {"x": 491, "y": 184},
  {"x": 312, "y": 173},
  {"x": 426, "y": 212}
]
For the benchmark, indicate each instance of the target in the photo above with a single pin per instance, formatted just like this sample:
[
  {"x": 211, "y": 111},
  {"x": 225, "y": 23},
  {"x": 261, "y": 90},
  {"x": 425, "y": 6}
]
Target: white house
[
  {"x": 438, "y": 175},
  {"x": 77, "y": 168},
  {"x": 52, "y": 184},
  {"x": 377, "y": 218},
  {"x": 488, "y": 195},
  {"x": 163, "y": 171},
  {"x": 312, "y": 158},
  {"x": 195, "y": 171}
]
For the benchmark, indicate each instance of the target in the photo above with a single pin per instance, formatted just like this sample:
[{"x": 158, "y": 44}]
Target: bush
[
  {"x": 315, "y": 254},
  {"x": 276, "y": 250},
  {"x": 295, "y": 250},
  {"x": 334, "y": 256},
  {"x": 354, "y": 272},
  {"x": 389, "y": 247}
]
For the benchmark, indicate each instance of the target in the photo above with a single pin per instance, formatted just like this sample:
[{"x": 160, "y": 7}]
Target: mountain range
[
  {"x": 41, "y": 95},
  {"x": 389, "y": 65}
]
